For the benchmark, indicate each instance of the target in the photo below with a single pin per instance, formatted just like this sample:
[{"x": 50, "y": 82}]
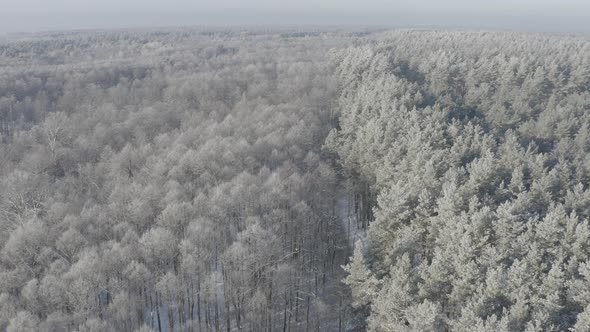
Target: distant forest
[{"x": 294, "y": 180}]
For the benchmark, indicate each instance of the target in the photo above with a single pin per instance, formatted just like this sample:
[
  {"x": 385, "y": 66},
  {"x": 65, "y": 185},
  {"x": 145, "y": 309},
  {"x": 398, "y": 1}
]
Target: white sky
[{"x": 31, "y": 15}]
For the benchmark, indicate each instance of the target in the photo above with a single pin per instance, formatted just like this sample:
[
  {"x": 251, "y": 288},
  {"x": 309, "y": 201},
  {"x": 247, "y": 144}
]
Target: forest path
[{"x": 347, "y": 217}]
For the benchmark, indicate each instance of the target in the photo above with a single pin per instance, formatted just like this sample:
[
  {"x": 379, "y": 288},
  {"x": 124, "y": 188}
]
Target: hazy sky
[{"x": 552, "y": 15}]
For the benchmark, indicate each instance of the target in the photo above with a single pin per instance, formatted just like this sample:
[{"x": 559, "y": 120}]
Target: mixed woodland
[{"x": 195, "y": 179}]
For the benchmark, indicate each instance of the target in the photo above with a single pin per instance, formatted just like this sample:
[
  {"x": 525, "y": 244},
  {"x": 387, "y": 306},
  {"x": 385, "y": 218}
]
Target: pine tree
[{"x": 361, "y": 281}]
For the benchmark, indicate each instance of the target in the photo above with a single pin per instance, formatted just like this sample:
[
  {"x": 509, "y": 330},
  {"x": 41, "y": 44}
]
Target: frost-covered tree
[{"x": 471, "y": 153}]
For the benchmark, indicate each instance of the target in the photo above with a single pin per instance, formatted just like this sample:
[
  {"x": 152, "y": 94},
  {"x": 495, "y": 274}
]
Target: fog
[{"x": 543, "y": 15}]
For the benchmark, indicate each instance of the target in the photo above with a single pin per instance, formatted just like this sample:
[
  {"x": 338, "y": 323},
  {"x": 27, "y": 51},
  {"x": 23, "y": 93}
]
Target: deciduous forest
[{"x": 192, "y": 179}]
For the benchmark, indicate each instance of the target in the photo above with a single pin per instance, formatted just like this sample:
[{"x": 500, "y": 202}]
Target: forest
[{"x": 194, "y": 179}]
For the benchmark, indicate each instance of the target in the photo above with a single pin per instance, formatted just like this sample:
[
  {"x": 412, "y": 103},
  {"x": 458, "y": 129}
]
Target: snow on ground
[{"x": 346, "y": 215}]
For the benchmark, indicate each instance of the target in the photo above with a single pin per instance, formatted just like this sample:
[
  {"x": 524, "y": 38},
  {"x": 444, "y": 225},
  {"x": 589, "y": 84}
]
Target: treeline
[
  {"x": 169, "y": 181},
  {"x": 477, "y": 145}
]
